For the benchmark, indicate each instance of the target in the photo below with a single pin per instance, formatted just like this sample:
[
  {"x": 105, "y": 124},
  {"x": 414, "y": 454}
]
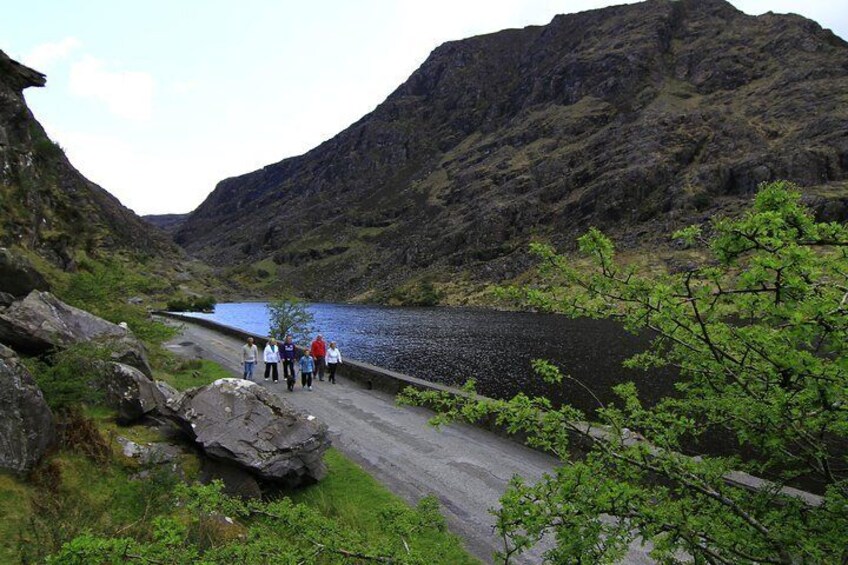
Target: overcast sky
[{"x": 159, "y": 100}]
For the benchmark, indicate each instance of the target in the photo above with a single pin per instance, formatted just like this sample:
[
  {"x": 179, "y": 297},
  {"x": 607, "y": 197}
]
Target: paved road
[{"x": 465, "y": 467}]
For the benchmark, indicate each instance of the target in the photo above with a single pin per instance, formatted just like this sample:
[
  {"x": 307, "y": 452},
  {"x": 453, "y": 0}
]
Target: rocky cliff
[
  {"x": 48, "y": 207},
  {"x": 636, "y": 118}
]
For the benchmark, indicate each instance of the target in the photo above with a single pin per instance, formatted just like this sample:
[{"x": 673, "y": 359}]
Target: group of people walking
[{"x": 317, "y": 359}]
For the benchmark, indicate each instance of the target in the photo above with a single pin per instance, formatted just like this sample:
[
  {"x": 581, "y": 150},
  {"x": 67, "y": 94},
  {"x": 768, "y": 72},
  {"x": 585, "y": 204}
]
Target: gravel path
[{"x": 465, "y": 467}]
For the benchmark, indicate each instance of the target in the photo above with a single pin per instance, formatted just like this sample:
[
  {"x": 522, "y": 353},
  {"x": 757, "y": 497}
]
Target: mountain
[
  {"x": 168, "y": 223},
  {"x": 49, "y": 208},
  {"x": 638, "y": 119}
]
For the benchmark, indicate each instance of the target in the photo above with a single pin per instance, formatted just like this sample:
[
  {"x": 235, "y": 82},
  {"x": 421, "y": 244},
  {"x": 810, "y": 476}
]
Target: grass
[
  {"x": 101, "y": 498},
  {"x": 15, "y": 511},
  {"x": 197, "y": 372},
  {"x": 356, "y": 499}
]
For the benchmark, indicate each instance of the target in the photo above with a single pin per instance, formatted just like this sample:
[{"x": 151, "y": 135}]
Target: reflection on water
[{"x": 450, "y": 345}]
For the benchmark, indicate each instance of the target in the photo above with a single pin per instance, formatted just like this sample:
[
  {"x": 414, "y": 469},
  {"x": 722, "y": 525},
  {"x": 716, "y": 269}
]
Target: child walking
[{"x": 307, "y": 367}]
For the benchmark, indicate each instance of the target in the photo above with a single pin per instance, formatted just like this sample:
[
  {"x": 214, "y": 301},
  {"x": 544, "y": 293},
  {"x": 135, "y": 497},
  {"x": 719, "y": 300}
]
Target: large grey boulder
[
  {"x": 17, "y": 275},
  {"x": 132, "y": 394},
  {"x": 26, "y": 423},
  {"x": 240, "y": 422},
  {"x": 41, "y": 322},
  {"x": 129, "y": 350}
]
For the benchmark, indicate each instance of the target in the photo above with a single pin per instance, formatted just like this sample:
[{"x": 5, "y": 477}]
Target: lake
[{"x": 451, "y": 345}]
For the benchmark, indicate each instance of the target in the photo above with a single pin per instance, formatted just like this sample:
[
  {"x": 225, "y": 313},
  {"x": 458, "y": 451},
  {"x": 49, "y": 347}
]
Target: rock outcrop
[
  {"x": 133, "y": 394},
  {"x": 26, "y": 423},
  {"x": 638, "y": 118},
  {"x": 240, "y": 422},
  {"x": 18, "y": 277},
  {"x": 41, "y": 322},
  {"x": 48, "y": 206}
]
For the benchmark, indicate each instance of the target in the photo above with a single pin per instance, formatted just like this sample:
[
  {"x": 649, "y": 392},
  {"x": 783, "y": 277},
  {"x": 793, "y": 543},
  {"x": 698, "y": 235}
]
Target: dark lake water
[{"x": 451, "y": 345}]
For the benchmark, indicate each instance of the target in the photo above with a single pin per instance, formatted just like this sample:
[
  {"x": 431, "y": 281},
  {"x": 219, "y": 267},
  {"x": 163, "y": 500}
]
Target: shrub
[
  {"x": 191, "y": 304},
  {"x": 71, "y": 377},
  {"x": 289, "y": 316}
]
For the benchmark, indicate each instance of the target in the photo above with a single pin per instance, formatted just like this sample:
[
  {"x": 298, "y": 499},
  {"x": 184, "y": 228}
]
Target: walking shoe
[{"x": 310, "y": 387}]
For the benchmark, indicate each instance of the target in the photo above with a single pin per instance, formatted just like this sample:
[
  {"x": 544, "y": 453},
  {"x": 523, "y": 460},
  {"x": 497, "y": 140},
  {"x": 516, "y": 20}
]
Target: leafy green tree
[
  {"x": 290, "y": 316},
  {"x": 759, "y": 338}
]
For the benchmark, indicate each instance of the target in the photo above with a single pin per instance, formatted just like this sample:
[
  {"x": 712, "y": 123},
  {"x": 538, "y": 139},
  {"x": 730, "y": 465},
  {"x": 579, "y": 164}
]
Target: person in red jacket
[{"x": 318, "y": 349}]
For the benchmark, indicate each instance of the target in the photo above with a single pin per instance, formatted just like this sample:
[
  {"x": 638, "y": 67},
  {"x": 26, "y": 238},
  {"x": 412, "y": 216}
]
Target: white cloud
[
  {"x": 42, "y": 57},
  {"x": 184, "y": 87},
  {"x": 128, "y": 94}
]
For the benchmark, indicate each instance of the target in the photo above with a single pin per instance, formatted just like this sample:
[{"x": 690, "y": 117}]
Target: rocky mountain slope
[
  {"x": 636, "y": 118},
  {"x": 49, "y": 208}
]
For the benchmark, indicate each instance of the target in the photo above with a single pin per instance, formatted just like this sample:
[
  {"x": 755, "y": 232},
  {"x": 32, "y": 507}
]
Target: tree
[
  {"x": 760, "y": 339},
  {"x": 289, "y": 316}
]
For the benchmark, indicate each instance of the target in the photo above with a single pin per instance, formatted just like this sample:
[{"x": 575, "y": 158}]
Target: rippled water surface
[{"x": 450, "y": 345}]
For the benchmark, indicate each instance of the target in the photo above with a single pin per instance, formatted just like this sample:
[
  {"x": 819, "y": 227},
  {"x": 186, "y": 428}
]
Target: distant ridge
[
  {"x": 168, "y": 223},
  {"x": 638, "y": 118}
]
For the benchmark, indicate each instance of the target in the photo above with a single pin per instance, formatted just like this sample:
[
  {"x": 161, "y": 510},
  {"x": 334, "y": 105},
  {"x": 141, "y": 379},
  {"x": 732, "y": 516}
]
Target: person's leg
[
  {"x": 244, "y": 373},
  {"x": 309, "y": 380},
  {"x": 275, "y": 373},
  {"x": 319, "y": 365},
  {"x": 332, "y": 368},
  {"x": 303, "y": 379},
  {"x": 267, "y": 370}
]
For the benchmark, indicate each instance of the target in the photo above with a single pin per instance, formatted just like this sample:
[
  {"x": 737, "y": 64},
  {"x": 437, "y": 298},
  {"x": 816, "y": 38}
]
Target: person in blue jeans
[
  {"x": 307, "y": 367},
  {"x": 249, "y": 357},
  {"x": 288, "y": 354}
]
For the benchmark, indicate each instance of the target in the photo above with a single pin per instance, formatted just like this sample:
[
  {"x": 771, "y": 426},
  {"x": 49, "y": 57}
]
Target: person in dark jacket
[{"x": 287, "y": 354}]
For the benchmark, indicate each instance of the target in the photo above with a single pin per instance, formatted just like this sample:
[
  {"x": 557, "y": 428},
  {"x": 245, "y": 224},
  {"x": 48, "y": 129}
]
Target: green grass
[
  {"x": 198, "y": 372},
  {"x": 14, "y": 512},
  {"x": 355, "y": 498},
  {"x": 101, "y": 498}
]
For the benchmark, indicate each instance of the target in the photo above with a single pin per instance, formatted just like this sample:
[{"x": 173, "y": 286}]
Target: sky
[{"x": 157, "y": 101}]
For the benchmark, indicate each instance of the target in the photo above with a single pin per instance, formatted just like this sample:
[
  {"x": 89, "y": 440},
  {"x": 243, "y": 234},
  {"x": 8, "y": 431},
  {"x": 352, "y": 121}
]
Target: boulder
[
  {"x": 17, "y": 275},
  {"x": 26, "y": 423},
  {"x": 128, "y": 350},
  {"x": 132, "y": 393},
  {"x": 240, "y": 422},
  {"x": 237, "y": 481},
  {"x": 41, "y": 322},
  {"x": 150, "y": 454}
]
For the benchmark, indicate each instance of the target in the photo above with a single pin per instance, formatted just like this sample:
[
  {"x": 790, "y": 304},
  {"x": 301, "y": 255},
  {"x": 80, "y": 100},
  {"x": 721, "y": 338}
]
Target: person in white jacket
[
  {"x": 334, "y": 359},
  {"x": 272, "y": 359}
]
